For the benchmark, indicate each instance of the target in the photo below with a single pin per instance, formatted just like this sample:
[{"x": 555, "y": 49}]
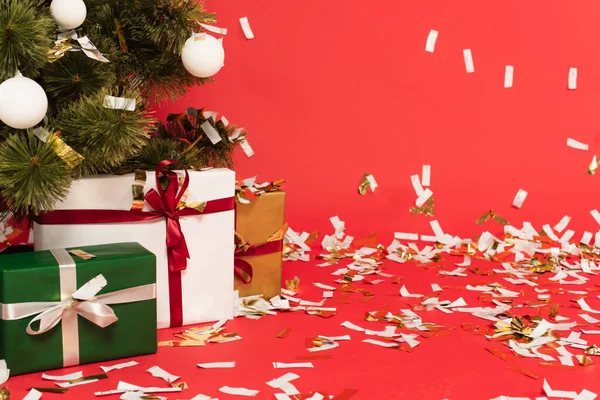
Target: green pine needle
[
  {"x": 32, "y": 177},
  {"x": 159, "y": 149},
  {"x": 104, "y": 136},
  {"x": 76, "y": 75},
  {"x": 25, "y": 36}
]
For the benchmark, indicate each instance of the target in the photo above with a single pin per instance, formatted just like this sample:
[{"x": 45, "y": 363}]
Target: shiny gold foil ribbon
[
  {"x": 65, "y": 152},
  {"x": 364, "y": 185},
  {"x": 427, "y": 208},
  {"x": 491, "y": 215},
  {"x": 4, "y": 394},
  {"x": 292, "y": 284},
  {"x": 593, "y": 166},
  {"x": 593, "y": 350},
  {"x": 61, "y": 47}
]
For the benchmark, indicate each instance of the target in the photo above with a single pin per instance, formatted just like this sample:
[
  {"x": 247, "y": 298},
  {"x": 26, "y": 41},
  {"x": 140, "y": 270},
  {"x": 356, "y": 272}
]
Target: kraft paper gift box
[
  {"x": 37, "y": 289},
  {"x": 194, "y": 290},
  {"x": 255, "y": 223}
]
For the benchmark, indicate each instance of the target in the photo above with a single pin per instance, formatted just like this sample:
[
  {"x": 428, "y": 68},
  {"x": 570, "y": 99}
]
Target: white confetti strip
[
  {"x": 573, "y": 78},
  {"x": 404, "y": 293},
  {"x": 566, "y": 237},
  {"x": 68, "y": 377},
  {"x": 562, "y": 224},
  {"x": 350, "y": 325},
  {"x": 202, "y": 397},
  {"x": 284, "y": 383},
  {"x": 380, "y": 343},
  {"x": 557, "y": 393},
  {"x": 468, "y": 61},
  {"x": 586, "y": 307},
  {"x": 431, "y": 39},
  {"x": 508, "y": 76},
  {"x": 71, "y": 384},
  {"x": 436, "y": 288},
  {"x": 519, "y": 198},
  {"x": 119, "y": 103},
  {"x": 33, "y": 395},
  {"x": 416, "y": 182},
  {"x": 223, "y": 364},
  {"x": 323, "y": 286},
  {"x": 577, "y": 144},
  {"x": 161, "y": 373},
  {"x": 336, "y": 338},
  {"x": 210, "y": 132},
  {"x": 586, "y": 395},
  {"x": 213, "y": 29},
  {"x": 426, "y": 175},
  {"x": 406, "y": 236},
  {"x": 372, "y": 182},
  {"x": 422, "y": 199},
  {"x": 238, "y": 391},
  {"x": 247, "y": 148},
  {"x": 327, "y": 294},
  {"x": 589, "y": 319},
  {"x": 293, "y": 365},
  {"x": 108, "y": 368},
  {"x": 596, "y": 216},
  {"x": 437, "y": 229},
  {"x": 128, "y": 387},
  {"x": 245, "y": 24},
  {"x": 90, "y": 50}
]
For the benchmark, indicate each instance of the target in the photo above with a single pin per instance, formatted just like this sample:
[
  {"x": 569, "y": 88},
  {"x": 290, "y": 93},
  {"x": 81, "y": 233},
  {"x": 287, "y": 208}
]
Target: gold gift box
[{"x": 255, "y": 223}]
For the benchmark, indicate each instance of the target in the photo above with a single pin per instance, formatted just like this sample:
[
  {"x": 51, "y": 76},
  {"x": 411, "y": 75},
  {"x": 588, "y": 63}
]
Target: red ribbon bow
[
  {"x": 243, "y": 269},
  {"x": 165, "y": 204}
]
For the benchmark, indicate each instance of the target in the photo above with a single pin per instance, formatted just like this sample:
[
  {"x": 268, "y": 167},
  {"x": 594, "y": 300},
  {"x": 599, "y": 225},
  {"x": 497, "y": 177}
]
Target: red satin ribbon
[
  {"x": 165, "y": 205},
  {"x": 243, "y": 269}
]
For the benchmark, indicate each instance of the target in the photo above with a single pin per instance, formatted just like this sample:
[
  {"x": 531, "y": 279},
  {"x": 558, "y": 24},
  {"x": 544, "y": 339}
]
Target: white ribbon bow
[{"x": 82, "y": 302}]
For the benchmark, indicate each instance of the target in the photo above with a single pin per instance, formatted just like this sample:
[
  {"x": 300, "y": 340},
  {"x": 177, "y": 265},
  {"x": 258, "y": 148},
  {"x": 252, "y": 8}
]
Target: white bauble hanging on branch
[
  {"x": 68, "y": 14},
  {"x": 23, "y": 102},
  {"x": 203, "y": 55}
]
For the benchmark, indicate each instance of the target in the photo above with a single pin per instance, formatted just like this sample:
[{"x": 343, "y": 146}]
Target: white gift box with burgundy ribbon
[{"x": 193, "y": 246}]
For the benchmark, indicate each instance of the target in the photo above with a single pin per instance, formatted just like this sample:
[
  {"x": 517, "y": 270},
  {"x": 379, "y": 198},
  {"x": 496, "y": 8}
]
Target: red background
[{"x": 330, "y": 90}]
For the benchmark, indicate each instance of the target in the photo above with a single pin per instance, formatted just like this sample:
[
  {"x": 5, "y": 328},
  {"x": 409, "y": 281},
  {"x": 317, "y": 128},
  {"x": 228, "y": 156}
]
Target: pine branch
[
  {"x": 25, "y": 36},
  {"x": 104, "y": 136},
  {"x": 32, "y": 176},
  {"x": 159, "y": 149},
  {"x": 76, "y": 75}
]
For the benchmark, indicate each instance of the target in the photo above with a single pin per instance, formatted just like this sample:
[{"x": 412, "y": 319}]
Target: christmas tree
[{"x": 77, "y": 80}]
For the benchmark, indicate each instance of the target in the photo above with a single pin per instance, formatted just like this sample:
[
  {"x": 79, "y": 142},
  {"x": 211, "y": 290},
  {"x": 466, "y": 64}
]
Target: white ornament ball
[
  {"x": 23, "y": 103},
  {"x": 68, "y": 14},
  {"x": 203, "y": 55}
]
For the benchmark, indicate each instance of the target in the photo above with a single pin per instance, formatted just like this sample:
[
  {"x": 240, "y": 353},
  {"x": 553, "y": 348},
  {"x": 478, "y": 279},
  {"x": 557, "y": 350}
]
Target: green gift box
[{"x": 59, "y": 310}]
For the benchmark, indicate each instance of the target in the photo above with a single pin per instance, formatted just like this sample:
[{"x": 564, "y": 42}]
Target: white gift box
[{"x": 207, "y": 282}]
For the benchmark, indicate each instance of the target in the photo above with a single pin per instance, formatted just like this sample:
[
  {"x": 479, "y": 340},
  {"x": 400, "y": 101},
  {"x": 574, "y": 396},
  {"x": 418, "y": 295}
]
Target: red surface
[
  {"x": 330, "y": 90},
  {"x": 454, "y": 366}
]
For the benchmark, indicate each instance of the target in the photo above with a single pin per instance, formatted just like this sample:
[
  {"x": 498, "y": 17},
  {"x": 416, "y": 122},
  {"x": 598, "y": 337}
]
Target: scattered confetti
[
  {"x": 431, "y": 39},
  {"x": 508, "y": 76},
  {"x": 519, "y": 198},
  {"x": 468, "y": 61},
  {"x": 245, "y": 24},
  {"x": 576, "y": 144}
]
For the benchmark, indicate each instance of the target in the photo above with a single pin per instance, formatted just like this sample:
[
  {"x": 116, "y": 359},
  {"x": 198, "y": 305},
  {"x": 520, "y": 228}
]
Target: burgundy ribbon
[
  {"x": 165, "y": 205},
  {"x": 243, "y": 269}
]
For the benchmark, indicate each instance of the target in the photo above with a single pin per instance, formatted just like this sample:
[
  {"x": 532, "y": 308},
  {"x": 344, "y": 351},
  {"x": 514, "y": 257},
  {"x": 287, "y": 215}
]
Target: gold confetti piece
[
  {"x": 593, "y": 350},
  {"x": 61, "y": 47},
  {"x": 427, "y": 208},
  {"x": 593, "y": 166},
  {"x": 292, "y": 284},
  {"x": 491, "y": 215},
  {"x": 368, "y": 181},
  {"x": 181, "y": 385},
  {"x": 554, "y": 308},
  {"x": 82, "y": 254},
  {"x": 4, "y": 394},
  {"x": 284, "y": 333}
]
